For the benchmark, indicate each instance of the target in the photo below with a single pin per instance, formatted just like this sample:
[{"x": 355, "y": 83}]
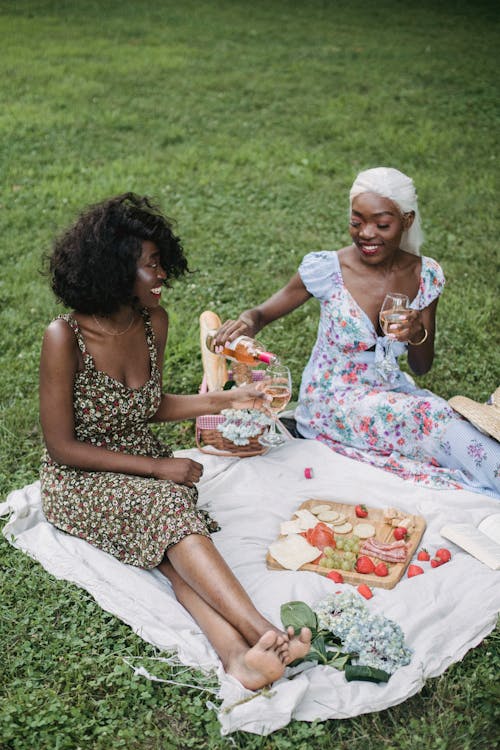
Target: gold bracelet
[{"x": 417, "y": 343}]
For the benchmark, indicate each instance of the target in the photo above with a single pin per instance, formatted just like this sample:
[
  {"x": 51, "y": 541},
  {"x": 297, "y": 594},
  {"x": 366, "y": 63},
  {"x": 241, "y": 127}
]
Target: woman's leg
[
  {"x": 475, "y": 454},
  {"x": 254, "y": 666},
  {"x": 197, "y": 562}
]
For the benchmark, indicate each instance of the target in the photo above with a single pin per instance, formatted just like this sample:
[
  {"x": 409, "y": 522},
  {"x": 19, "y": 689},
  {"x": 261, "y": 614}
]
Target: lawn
[{"x": 247, "y": 121}]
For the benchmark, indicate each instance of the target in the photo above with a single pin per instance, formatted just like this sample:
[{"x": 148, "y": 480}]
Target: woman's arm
[
  {"x": 174, "y": 407},
  {"x": 252, "y": 321},
  {"x": 421, "y": 355},
  {"x": 59, "y": 363}
]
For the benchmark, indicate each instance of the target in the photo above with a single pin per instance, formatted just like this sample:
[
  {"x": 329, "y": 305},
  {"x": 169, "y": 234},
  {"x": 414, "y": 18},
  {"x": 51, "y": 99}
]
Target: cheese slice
[
  {"x": 291, "y": 527},
  {"x": 306, "y": 518},
  {"x": 293, "y": 551}
]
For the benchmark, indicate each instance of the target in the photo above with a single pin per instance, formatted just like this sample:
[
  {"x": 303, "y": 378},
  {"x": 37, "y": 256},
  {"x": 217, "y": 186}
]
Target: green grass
[{"x": 248, "y": 122}]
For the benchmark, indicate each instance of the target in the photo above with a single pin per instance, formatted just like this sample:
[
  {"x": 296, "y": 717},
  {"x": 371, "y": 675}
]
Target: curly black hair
[{"x": 93, "y": 263}]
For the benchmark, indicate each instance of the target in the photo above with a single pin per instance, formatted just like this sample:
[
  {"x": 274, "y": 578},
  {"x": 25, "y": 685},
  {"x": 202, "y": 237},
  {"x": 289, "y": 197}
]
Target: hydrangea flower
[
  {"x": 377, "y": 641},
  {"x": 242, "y": 424}
]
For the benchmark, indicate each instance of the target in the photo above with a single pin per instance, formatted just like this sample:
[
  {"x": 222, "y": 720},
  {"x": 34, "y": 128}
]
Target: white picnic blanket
[{"x": 444, "y": 612}]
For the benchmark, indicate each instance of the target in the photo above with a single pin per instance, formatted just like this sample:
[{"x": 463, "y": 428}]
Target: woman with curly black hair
[{"x": 105, "y": 477}]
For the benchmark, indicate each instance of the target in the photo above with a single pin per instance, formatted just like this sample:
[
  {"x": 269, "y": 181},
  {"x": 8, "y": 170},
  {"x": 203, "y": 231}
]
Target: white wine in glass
[
  {"x": 393, "y": 310},
  {"x": 277, "y": 383}
]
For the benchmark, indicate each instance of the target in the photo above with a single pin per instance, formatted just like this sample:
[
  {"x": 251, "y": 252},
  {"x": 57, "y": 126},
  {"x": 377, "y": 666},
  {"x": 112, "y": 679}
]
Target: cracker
[
  {"x": 344, "y": 528},
  {"x": 340, "y": 520},
  {"x": 317, "y": 509},
  {"x": 328, "y": 516},
  {"x": 364, "y": 530}
]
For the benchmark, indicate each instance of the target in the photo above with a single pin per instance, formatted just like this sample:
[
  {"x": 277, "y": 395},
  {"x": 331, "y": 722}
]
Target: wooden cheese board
[{"x": 383, "y": 533}]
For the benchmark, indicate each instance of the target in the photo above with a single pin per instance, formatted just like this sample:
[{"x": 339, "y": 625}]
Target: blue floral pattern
[
  {"x": 345, "y": 402},
  {"x": 476, "y": 451}
]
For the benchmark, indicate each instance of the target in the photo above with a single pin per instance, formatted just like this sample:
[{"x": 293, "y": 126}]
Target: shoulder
[
  {"x": 431, "y": 266},
  {"x": 59, "y": 342},
  {"x": 432, "y": 271},
  {"x": 318, "y": 272},
  {"x": 432, "y": 280},
  {"x": 61, "y": 331}
]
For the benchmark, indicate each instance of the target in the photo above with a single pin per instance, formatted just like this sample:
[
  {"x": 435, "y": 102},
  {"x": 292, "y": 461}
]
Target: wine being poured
[{"x": 243, "y": 349}]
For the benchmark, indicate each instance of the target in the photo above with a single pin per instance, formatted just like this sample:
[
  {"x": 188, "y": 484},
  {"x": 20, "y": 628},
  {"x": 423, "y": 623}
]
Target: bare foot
[
  {"x": 261, "y": 664},
  {"x": 298, "y": 645},
  {"x": 283, "y": 647}
]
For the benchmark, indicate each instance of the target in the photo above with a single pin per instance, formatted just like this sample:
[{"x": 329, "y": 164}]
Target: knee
[{"x": 190, "y": 543}]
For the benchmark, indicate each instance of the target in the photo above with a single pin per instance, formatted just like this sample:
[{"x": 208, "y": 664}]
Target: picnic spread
[{"x": 442, "y": 612}]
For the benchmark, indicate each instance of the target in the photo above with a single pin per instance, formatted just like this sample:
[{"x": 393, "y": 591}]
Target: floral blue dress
[{"x": 346, "y": 403}]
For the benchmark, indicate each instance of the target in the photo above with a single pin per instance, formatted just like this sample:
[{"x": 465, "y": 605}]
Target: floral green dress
[{"x": 133, "y": 518}]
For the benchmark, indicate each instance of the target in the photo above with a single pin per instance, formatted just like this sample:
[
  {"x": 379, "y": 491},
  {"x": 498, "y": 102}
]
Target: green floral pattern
[{"x": 133, "y": 518}]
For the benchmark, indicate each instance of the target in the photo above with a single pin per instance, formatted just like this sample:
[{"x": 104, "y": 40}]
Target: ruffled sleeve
[
  {"x": 320, "y": 273},
  {"x": 432, "y": 282}
]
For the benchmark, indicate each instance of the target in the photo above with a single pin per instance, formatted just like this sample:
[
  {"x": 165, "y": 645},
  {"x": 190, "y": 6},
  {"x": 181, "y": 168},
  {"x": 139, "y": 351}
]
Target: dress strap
[
  {"x": 150, "y": 338},
  {"x": 73, "y": 324}
]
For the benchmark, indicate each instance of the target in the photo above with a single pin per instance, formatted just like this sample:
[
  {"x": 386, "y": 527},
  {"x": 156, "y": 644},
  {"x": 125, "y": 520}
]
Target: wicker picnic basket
[{"x": 210, "y": 440}]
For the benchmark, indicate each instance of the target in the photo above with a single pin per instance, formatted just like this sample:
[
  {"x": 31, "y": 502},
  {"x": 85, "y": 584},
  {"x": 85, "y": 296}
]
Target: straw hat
[{"x": 486, "y": 417}]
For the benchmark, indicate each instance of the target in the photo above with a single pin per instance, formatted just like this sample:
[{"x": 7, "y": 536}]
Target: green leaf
[
  {"x": 298, "y": 615},
  {"x": 338, "y": 660},
  {"x": 318, "y": 644}
]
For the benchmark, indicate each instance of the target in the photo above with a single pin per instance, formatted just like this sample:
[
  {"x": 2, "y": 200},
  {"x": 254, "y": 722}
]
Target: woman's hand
[
  {"x": 409, "y": 328},
  {"x": 231, "y": 329},
  {"x": 178, "y": 470},
  {"x": 249, "y": 396}
]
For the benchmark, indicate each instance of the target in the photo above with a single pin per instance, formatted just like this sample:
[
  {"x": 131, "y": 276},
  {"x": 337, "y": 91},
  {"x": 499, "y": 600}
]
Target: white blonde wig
[{"x": 393, "y": 184}]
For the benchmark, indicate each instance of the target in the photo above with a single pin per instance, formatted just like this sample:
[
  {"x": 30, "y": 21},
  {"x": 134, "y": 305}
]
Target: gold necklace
[{"x": 115, "y": 333}]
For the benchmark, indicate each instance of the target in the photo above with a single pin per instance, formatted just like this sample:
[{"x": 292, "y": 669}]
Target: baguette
[{"x": 214, "y": 366}]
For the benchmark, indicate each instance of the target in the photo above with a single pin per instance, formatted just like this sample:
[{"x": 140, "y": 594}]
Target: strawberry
[
  {"x": 365, "y": 591},
  {"x": 400, "y": 533},
  {"x": 436, "y": 562},
  {"x": 364, "y": 564},
  {"x": 361, "y": 511},
  {"x": 444, "y": 554},
  {"x": 381, "y": 570},
  {"x": 423, "y": 555},
  {"x": 335, "y": 576},
  {"x": 414, "y": 570}
]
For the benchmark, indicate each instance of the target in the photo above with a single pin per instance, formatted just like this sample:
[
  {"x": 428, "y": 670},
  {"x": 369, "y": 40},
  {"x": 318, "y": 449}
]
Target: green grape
[
  {"x": 329, "y": 551},
  {"x": 348, "y": 545},
  {"x": 340, "y": 542},
  {"x": 323, "y": 563},
  {"x": 345, "y": 565},
  {"x": 355, "y": 539},
  {"x": 356, "y": 548}
]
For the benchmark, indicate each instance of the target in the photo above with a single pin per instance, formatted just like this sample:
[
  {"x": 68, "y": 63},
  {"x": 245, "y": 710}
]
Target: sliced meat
[{"x": 393, "y": 552}]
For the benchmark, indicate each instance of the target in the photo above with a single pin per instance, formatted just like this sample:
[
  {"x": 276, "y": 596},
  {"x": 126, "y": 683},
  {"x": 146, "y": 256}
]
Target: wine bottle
[{"x": 242, "y": 349}]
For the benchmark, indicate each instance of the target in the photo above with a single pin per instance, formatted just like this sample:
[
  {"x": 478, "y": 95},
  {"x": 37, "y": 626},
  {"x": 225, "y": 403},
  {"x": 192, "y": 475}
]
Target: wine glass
[
  {"x": 392, "y": 311},
  {"x": 277, "y": 383}
]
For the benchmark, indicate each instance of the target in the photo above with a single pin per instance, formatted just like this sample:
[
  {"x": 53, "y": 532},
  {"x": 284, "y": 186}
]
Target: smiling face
[
  {"x": 149, "y": 276},
  {"x": 376, "y": 227}
]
